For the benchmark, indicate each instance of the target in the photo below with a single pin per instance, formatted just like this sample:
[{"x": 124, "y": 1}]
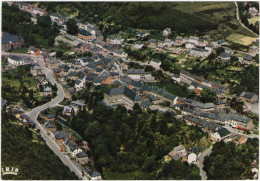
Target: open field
[
  {"x": 253, "y": 20},
  {"x": 241, "y": 39}
]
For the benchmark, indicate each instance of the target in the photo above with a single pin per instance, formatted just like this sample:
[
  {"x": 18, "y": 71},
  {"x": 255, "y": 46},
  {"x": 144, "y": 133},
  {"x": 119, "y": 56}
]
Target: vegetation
[
  {"x": 228, "y": 161},
  {"x": 19, "y": 85},
  {"x": 72, "y": 27},
  {"x": 134, "y": 143},
  {"x": 41, "y": 35},
  {"x": 34, "y": 160}
]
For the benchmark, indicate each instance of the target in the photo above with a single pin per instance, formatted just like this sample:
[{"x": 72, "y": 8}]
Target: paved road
[
  {"x": 200, "y": 163},
  {"x": 33, "y": 114},
  {"x": 238, "y": 18}
]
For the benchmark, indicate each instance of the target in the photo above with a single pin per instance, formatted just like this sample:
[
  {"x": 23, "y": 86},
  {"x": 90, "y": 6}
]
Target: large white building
[
  {"x": 155, "y": 63},
  {"x": 14, "y": 60},
  {"x": 138, "y": 74}
]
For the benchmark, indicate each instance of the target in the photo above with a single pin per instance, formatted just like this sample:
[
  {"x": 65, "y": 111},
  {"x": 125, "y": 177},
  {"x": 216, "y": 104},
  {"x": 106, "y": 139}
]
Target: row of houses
[
  {"x": 198, "y": 84},
  {"x": 69, "y": 145}
]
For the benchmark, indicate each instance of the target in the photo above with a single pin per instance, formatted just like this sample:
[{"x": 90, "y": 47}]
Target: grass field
[
  {"x": 253, "y": 20},
  {"x": 241, "y": 39}
]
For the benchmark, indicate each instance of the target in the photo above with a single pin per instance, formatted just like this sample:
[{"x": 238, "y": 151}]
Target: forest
[
  {"x": 34, "y": 160},
  {"x": 230, "y": 161},
  {"x": 136, "y": 141}
]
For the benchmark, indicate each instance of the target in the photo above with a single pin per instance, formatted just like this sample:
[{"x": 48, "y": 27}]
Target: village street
[{"x": 33, "y": 114}]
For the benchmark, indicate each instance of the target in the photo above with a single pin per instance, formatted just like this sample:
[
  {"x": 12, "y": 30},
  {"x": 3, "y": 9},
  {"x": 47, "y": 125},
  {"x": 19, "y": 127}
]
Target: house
[
  {"x": 85, "y": 35},
  {"x": 79, "y": 85},
  {"x": 15, "y": 60},
  {"x": 192, "y": 158},
  {"x": 177, "y": 153},
  {"x": 193, "y": 155},
  {"x": 11, "y": 42},
  {"x": 176, "y": 78},
  {"x": 152, "y": 43},
  {"x": 42, "y": 82},
  {"x": 77, "y": 105},
  {"x": 155, "y": 63},
  {"x": 178, "y": 106},
  {"x": 142, "y": 34},
  {"x": 47, "y": 91},
  {"x": 49, "y": 127},
  {"x": 59, "y": 136},
  {"x": 253, "y": 11},
  {"x": 220, "y": 134},
  {"x": 199, "y": 52},
  {"x": 36, "y": 70},
  {"x": 138, "y": 45},
  {"x": 167, "y": 32},
  {"x": 209, "y": 48},
  {"x": 252, "y": 50},
  {"x": 122, "y": 96},
  {"x": 71, "y": 147},
  {"x": 34, "y": 51},
  {"x": 190, "y": 45},
  {"x": 82, "y": 158},
  {"x": 225, "y": 56},
  {"x": 67, "y": 110},
  {"x": 168, "y": 42},
  {"x": 91, "y": 174},
  {"x": 41, "y": 12},
  {"x": 201, "y": 43},
  {"x": 193, "y": 39},
  {"x": 49, "y": 117},
  {"x": 137, "y": 74},
  {"x": 202, "y": 106},
  {"x": 247, "y": 57},
  {"x": 17, "y": 113},
  {"x": 114, "y": 41},
  {"x": 238, "y": 121},
  {"x": 179, "y": 41},
  {"x": 249, "y": 97}
]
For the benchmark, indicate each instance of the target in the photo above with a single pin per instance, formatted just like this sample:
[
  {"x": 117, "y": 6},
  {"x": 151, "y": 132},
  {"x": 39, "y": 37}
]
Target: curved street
[
  {"x": 238, "y": 18},
  {"x": 33, "y": 114}
]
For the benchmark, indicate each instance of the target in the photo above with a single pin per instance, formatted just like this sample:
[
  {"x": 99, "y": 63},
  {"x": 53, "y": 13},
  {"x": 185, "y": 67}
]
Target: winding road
[
  {"x": 33, "y": 114},
  {"x": 239, "y": 20}
]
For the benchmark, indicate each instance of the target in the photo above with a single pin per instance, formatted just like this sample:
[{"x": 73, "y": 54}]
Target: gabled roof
[
  {"x": 248, "y": 95},
  {"x": 16, "y": 58},
  {"x": 47, "y": 89},
  {"x": 81, "y": 155},
  {"x": 60, "y": 135},
  {"x": 48, "y": 125},
  {"x": 85, "y": 33},
  {"x": 50, "y": 116},
  {"x": 179, "y": 148},
  {"x": 7, "y": 37}
]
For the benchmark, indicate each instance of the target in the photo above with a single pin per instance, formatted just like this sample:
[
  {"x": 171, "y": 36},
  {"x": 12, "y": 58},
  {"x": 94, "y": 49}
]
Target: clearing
[{"x": 241, "y": 39}]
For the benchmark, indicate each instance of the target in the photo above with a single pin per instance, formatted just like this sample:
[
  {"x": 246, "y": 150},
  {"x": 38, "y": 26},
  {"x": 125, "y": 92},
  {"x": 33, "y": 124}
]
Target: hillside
[
  {"x": 214, "y": 18},
  {"x": 28, "y": 152}
]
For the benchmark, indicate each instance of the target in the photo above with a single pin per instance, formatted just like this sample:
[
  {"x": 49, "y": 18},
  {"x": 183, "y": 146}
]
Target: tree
[
  {"x": 72, "y": 27},
  {"x": 220, "y": 50},
  {"x": 59, "y": 54},
  {"x": 153, "y": 124},
  {"x": 208, "y": 95}
]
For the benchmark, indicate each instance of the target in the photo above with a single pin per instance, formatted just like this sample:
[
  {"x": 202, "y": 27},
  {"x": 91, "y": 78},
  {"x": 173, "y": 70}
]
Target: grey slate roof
[
  {"x": 85, "y": 33},
  {"x": 248, "y": 95},
  {"x": 16, "y": 58},
  {"x": 3, "y": 102},
  {"x": 7, "y": 37},
  {"x": 126, "y": 91},
  {"x": 81, "y": 155}
]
